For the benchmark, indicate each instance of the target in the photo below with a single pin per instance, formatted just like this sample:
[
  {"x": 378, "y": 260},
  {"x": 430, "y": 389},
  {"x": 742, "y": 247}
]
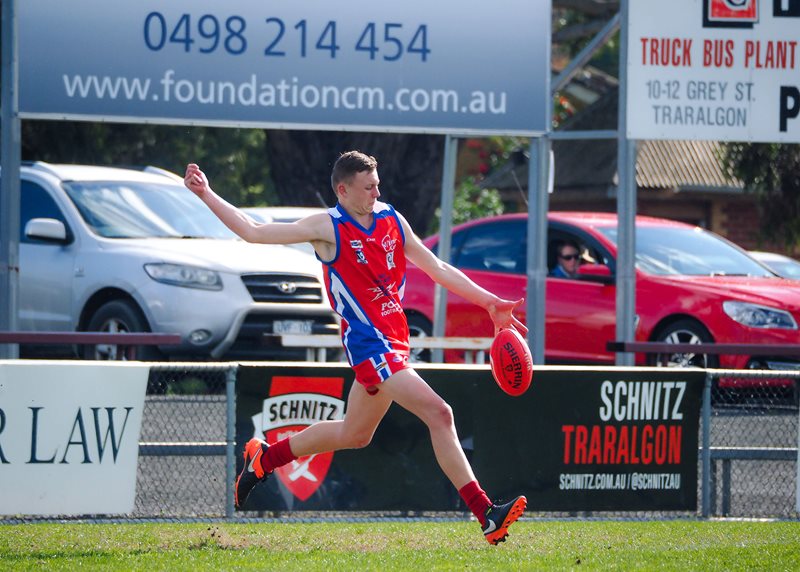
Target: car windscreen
[
  {"x": 782, "y": 266},
  {"x": 688, "y": 251},
  {"x": 126, "y": 209}
]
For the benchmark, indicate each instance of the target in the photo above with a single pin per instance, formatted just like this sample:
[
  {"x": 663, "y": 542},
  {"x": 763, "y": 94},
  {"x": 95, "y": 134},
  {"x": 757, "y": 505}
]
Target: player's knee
[
  {"x": 358, "y": 440},
  {"x": 441, "y": 415}
]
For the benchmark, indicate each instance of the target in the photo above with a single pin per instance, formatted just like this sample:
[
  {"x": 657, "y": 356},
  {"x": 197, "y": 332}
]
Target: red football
[{"x": 511, "y": 361}]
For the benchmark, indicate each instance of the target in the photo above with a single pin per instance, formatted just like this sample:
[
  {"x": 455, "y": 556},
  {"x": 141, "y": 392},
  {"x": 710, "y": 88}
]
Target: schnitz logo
[{"x": 295, "y": 403}]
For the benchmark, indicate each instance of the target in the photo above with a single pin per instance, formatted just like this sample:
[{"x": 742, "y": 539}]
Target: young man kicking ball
[{"x": 363, "y": 245}]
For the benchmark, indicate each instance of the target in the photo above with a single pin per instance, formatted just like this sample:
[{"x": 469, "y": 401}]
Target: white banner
[
  {"x": 725, "y": 70},
  {"x": 69, "y": 436}
]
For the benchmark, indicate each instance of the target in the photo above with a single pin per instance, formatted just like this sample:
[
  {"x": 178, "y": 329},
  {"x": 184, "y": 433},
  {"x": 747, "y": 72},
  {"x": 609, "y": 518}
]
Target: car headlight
[
  {"x": 186, "y": 276},
  {"x": 755, "y": 316}
]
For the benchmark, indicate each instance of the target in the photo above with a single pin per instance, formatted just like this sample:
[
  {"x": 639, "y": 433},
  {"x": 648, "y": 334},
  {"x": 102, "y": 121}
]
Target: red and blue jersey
[{"x": 365, "y": 283}]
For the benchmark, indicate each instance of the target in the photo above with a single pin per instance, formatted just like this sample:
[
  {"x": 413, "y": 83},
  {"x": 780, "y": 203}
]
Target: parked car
[
  {"x": 126, "y": 250},
  {"x": 285, "y": 214},
  {"x": 781, "y": 265},
  {"x": 692, "y": 286}
]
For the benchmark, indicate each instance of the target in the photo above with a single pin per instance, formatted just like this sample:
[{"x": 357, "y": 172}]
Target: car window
[
  {"x": 497, "y": 246},
  {"x": 35, "y": 202},
  {"x": 785, "y": 267},
  {"x": 140, "y": 210},
  {"x": 590, "y": 251},
  {"x": 456, "y": 241},
  {"x": 688, "y": 251}
]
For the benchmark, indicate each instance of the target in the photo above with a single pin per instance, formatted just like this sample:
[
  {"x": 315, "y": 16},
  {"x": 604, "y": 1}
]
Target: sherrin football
[{"x": 511, "y": 361}]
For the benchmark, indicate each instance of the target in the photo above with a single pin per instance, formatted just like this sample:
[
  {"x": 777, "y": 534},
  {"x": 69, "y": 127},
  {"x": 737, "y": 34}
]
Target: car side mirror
[
  {"x": 48, "y": 229},
  {"x": 595, "y": 273}
]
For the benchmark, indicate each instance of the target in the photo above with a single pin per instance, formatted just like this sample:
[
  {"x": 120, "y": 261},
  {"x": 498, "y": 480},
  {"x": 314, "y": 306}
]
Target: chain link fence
[
  {"x": 182, "y": 471},
  {"x": 752, "y": 444}
]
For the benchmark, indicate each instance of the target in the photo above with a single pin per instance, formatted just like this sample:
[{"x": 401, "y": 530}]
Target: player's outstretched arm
[
  {"x": 501, "y": 311},
  {"x": 311, "y": 229}
]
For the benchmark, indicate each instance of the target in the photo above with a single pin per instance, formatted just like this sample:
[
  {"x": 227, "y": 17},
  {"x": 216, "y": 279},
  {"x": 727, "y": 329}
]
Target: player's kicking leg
[{"x": 411, "y": 392}]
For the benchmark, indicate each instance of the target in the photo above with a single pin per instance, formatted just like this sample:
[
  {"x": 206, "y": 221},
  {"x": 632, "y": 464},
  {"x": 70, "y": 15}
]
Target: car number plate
[{"x": 301, "y": 327}]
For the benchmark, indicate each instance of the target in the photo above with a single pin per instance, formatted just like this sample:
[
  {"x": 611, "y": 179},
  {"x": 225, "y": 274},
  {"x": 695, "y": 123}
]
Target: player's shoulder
[
  {"x": 386, "y": 210},
  {"x": 381, "y": 208}
]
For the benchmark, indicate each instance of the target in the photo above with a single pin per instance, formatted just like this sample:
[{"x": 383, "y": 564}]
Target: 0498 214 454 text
[{"x": 277, "y": 38}]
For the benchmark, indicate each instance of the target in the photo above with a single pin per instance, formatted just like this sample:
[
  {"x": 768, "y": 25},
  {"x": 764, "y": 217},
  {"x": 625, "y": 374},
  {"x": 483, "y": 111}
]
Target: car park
[
  {"x": 132, "y": 250},
  {"x": 781, "y": 265},
  {"x": 692, "y": 286}
]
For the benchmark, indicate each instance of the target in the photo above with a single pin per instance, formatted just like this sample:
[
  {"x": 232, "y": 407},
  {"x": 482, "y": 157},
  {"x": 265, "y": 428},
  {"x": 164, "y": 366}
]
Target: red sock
[
  {"x": 277, "y": 455},
  {"x": 476, "y": 500}
]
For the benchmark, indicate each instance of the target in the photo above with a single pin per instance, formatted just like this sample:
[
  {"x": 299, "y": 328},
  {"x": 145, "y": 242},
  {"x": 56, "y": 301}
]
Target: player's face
[{"x": 361, "y": 192}]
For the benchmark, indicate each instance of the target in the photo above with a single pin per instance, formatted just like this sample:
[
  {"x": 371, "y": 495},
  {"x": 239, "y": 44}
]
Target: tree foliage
[
  {"x": 470, "y": 202},
  {"x": 410, "y": 168},
  {"x": 772, "y": 172},
  {"x": 234, "y": 159}
]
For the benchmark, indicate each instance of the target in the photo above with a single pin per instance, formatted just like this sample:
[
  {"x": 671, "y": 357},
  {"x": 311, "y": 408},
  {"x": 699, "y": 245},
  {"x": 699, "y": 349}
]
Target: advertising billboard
[
  {"x": 69, "y": 436},
  {"x": 724, "y": 70},
  {"x": 578, "y": 439},
  {"x": 448, "y": 67}
]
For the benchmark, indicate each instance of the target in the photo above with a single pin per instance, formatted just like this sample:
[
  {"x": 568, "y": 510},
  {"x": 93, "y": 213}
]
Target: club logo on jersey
[
  {"x": 358, "y": 247},
  {"x": 293, "y": 404}
]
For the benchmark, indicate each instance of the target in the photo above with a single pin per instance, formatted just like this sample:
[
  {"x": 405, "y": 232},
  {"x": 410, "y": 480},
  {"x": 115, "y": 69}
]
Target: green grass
[{"x": 533, "y": 545}]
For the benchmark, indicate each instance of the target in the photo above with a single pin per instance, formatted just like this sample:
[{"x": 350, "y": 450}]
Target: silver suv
[{"x": 127, "y": 250}]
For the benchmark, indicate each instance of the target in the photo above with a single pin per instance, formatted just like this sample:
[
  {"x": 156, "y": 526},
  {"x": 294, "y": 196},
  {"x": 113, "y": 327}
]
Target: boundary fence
[
  {"x": 748, "y": 441},
  {"x": 747, "y": 455}
]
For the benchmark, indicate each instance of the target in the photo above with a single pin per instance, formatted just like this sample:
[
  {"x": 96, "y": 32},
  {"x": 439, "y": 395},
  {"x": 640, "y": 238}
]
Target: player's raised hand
[
  {"x": 502, "y": 314},
  {"x": 195, "y": 179}
]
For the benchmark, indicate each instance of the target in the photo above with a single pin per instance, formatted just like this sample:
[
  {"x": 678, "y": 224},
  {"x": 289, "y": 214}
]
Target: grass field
[{"x": 401, "y": 545}]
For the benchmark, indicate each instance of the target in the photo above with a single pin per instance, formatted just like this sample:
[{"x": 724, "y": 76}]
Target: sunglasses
[{"x": 568, "y": 256}]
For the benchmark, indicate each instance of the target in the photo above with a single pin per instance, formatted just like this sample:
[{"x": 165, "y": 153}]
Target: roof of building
[{"x": 592, "y": 163}]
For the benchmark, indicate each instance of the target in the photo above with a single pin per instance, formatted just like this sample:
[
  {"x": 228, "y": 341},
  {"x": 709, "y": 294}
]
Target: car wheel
[
  {"x": 119, "y": 316},
  {"x": 419, "y": 327},
  {"x": 684, "y": 332}
]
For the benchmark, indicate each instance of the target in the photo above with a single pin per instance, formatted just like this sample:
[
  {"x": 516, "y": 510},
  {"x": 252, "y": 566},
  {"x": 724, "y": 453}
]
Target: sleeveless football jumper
[{"x": 365, "y": 281}]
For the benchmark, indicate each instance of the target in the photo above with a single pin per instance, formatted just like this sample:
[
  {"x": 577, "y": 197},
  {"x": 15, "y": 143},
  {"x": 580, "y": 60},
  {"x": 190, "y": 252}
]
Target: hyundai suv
[{"x": 132, "y": 250}]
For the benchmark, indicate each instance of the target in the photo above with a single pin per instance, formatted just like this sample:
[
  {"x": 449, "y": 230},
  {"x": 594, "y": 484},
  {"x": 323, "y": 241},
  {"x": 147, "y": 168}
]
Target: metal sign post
[
  {"x": 9, "y": 185},
  {"x": 445, "y": 230}
]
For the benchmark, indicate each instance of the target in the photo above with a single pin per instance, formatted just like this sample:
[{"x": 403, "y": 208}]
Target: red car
[{"x": 692, "y": 286}]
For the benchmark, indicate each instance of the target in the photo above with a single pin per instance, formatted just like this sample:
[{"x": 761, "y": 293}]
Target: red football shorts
[{"x": 377, "y": 369}]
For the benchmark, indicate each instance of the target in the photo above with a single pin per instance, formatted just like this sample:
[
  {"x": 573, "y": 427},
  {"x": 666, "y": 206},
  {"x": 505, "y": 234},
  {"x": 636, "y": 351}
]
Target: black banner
[{"x": 579, "y": 439}]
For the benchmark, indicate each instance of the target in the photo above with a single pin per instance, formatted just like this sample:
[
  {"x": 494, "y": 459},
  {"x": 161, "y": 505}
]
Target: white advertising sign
[
  {"x": 457, "y": 66},
  {"x": 725, "y": 70},
  {"x": 69, "y": 436}
]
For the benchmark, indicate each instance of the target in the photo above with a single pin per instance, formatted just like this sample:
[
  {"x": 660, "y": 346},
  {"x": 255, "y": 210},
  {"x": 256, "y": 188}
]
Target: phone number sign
[
  {"x": 726, "y": 70},
  {"x": 409, "y": 66}
]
